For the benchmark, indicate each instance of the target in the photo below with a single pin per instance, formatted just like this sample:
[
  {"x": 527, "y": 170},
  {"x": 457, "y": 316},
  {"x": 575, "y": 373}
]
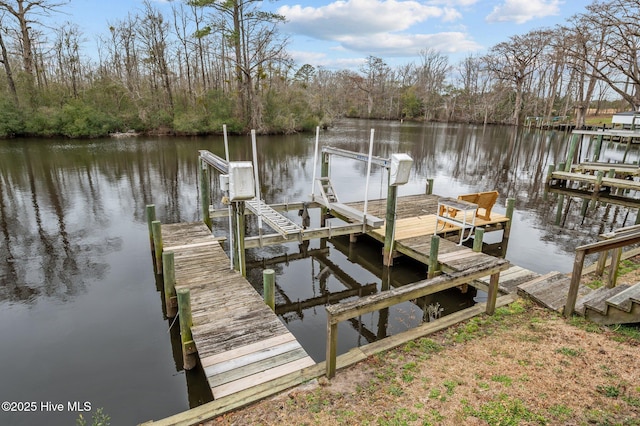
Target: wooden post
[
  {"x": 390, "y": 225},
  {"x": 598, "y": 147},
  {"x": 429, "y": 188},
  {"x": 511, "y": 205},
  {"x": 585, "y": 207},
  {"x": 234, "y": 232},
  {"x": 576, "y": 275},
  {"x": 612, "y": 280},
  {"x": 269, "y": 287},
  {"x": 332, "y": 343},
  {"x": 433, "y": 256},
  {"x": 478, "y": 239},
  {"x": 598, "y": 184},
  {"x": 324, "y": 173},
  {"x": 169, "y": 279},
  {"x": 205, "y": 193},
  {"x": 492, "y": 295},
  {"x": 150, "y": 213},
  {"x": 550, "y": 171},
  {"x": 561, "y": 166},
  {"x": 602, "y": 262},
  {"x": 559, "y": 209},
  {"x": 157, "y": 244},
  {"x": 242, "y": 258},
  {"x": 572, "y": 152},
  {"x": 186, "y": 322}
]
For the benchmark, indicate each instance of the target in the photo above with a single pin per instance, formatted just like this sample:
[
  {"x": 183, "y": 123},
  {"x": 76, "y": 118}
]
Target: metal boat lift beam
[{"x": 379, "y": 161}]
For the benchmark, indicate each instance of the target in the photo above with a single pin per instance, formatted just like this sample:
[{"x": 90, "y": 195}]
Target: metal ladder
[
  {"x": 328, "y": 193},
  {"x": 280, "y": 223}
]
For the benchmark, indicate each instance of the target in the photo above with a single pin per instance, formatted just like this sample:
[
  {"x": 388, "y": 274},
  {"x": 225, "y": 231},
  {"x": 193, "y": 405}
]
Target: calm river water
[{"x": 80, "y": 315}]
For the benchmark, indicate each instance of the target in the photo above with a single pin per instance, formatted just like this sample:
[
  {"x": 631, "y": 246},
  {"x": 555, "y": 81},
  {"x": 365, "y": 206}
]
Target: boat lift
[{"x": 399, "y": 166}]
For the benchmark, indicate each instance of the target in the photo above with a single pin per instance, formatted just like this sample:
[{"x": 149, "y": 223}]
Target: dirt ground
[{"x": 525, "y": 365}]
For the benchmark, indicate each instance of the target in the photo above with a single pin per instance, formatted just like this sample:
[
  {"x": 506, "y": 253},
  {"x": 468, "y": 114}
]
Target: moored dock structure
[
  {"x": 600, "y": 163},
  {"x": 245, "y": 350}
]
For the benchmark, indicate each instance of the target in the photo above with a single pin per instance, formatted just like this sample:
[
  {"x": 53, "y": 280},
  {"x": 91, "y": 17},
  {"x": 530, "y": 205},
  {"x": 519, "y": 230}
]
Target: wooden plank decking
[
  {"x": 240, "y": 340},
  {"x": 416, "y": 223}
]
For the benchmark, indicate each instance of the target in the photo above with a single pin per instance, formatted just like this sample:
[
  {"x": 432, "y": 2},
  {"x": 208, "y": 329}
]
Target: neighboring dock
[{"x": 240, "y": 341}]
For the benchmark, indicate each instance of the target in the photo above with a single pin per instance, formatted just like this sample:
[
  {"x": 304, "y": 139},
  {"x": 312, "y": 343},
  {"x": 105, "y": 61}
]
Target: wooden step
[
  {"x": 624, "y": 300},
  {"x": 550, "y": 290},
  {"x": 598, "y": 301}
]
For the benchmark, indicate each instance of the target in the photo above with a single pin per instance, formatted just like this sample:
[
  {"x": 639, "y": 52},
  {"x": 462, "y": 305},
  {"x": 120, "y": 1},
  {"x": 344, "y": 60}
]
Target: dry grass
[{"x": 525, "y": 365}]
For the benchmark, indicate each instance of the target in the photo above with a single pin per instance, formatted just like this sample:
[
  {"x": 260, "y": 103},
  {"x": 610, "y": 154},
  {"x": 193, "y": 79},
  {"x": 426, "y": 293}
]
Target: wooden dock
[
  {"x": 240, "y": 341},
  {"x": 416, "y": 223}
]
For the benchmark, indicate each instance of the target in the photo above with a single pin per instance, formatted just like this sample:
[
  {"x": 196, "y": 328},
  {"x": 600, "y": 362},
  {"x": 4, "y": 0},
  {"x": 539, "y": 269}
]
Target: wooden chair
[{"x": 484, "y": 200}]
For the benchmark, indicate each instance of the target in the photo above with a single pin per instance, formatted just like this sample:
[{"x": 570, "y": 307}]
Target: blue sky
[{"x": 341, "y": 33}]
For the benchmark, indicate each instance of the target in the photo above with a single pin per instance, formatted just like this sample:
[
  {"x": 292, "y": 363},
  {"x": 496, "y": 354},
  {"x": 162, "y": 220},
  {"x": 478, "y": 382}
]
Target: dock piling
[
  {"x": 390, "y": 225},
  {"x": 169, "y": 279},
  {"x": 269, "y": 286},
  {"x": 186, "y": 321},
  {"x": 433, "y": 256},
  {"x": 156, "y": 227},
  {"x": 478, "y": 239},
  {"x": 150, "y": 213},
  {"x": 511, "y": 204},
  {"x": 205, "y": 193},
  {"x": 429, "y": 188},
  {"x": 492, "y": 295}
]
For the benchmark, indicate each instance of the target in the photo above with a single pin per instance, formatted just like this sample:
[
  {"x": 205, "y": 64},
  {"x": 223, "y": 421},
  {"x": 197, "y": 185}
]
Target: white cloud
[
  {"x": 521, "y": 11},
  {"x": 386, "y": 44},
  {"x": 379, "y": 27},
  {"x": 322, "y": 60},
  {"x": 454, "y": 2},
  {"x": 360, "y": 17}
]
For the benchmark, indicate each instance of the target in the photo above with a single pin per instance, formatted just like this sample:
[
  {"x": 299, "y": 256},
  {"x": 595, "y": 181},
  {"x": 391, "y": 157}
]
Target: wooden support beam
[
  {"x": 150, "y": 213},
  {"x": 429, "y": 188},
  {"x": 186, "y": 322},
  {"x": 478, "y": 240},
  {"x": 375, "y": 302},
  {"x": 169, "y": 280},
  {"x": 325, "y": 232},
  {"x": 572, "y": 151},
  {"x": 511, "y": 204},
  {"x": 612, "y": 279},
  {"x": 390, "y": 225},
  {"x": 205, "y": 193},
  {"x": 578, "y": 263},
  {"x": 269, "y": 287},
  {"x": 433, "y": 256},
  {"x": 240, "y": 234},
  {"x": 492, "y": 294},
  {"x": 157, "y": 244}
]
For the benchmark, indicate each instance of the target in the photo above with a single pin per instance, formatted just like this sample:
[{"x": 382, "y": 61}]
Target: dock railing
[
  {"x": 385, "y": 299},
  {"x": 625, "y": 238}
]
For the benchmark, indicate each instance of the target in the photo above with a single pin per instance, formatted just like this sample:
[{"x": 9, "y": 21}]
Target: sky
[{"x": 340, "y": 34}]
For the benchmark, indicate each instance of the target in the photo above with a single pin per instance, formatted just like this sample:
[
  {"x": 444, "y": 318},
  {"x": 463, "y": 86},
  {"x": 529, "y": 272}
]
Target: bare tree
[
  {"x": 67, "y": 50},
  {"x": 6, "y": 63},
  {"x": 254, "y": 43},
  {"x": 584, "y": 47},
  {"x": 514, "y": 61},
  {"x": 153, "y": 31},
  {"x": 431, "y": 74},
  {"x": 618, "y": 21},
  {"x": 25, "y": 11}
]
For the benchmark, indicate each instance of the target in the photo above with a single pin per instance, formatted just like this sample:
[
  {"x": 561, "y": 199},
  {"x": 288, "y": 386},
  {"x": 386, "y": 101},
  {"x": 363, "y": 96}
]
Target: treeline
[{"x": 209, "y": 62}]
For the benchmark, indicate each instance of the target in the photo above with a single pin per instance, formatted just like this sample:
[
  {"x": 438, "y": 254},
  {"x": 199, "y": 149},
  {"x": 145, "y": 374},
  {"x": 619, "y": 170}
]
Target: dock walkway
[{"x": 239, "y": 339}]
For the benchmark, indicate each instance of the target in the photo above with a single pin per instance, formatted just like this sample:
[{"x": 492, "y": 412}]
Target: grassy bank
[{"x": 525, "y": 365}]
